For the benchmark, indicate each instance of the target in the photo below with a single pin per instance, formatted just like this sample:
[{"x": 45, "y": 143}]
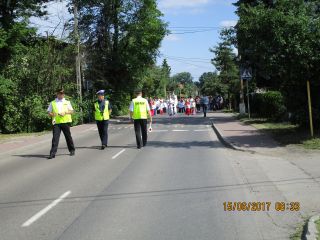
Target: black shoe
[
  {"x": 72, "y": 153},
  {"x": 139, "y": 147},
  {"x": 51, "y": 156},
  {"x": 103, "y": 147}
]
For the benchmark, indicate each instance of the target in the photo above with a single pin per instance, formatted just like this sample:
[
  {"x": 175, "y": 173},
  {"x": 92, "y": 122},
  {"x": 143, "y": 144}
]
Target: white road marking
[
  {"x": 201, "y": 130},
  {"x": 119, "y": 128},
  {"x": 118, "y": 154},
  {"x": 131, "y": 127},
  {"x": 180, "y": 130},
  {"x": 45, "y": 210},
  {"x": 126, "y": 127},
  {"x": 160, "y": 130}
]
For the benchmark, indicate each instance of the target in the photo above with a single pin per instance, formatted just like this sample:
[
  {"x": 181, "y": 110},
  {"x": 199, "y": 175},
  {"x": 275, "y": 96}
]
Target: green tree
[
  {"x": 211, "y": 85},
  {"x": 166, "y": 71},
  {"x": 29, "y": 81},
  {"x": 225, "y": 61},
  {"x": 182, "y": 83},
  {"x": 14, "y": 17},
  {"x": 122, "y": 38},
  {"x": 279, "y": 42}
]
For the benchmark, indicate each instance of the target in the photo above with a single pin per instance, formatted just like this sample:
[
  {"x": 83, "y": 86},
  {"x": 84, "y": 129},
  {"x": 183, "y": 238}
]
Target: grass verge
[
  {"x": 299, "y": 232},
  {"x": 318, "y": 228},
  {"x": 6, "y": 137},
  {"x": 284, "y": 133}
]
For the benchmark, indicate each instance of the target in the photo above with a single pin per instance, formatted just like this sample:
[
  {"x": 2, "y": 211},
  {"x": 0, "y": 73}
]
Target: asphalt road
[{"x": 172, "y": 189}]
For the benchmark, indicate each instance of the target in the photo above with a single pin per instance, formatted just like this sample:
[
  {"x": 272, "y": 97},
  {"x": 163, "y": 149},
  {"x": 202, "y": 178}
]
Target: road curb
[
  {"x": 227, "y": 143},
  {"x": 311, "y": 229},
  {"x": 223, "y": 140}
]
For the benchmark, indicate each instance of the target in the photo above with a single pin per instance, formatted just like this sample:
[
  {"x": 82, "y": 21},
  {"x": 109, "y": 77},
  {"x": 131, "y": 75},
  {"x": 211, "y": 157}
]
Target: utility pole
[{"x": 78, "y": 56}]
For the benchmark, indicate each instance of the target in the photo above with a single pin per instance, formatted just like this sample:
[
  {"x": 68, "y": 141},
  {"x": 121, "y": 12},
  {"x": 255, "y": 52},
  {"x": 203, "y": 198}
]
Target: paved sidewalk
[
  {"x": 280, "y": 161},
  {"x": 241, "y": 136}
]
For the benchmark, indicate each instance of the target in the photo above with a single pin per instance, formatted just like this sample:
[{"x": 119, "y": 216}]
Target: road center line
[
  {"x": 180, "y": 130},
  {"x": 45, "y": 210},
  {"x": 118, "y": 154},
  {"x": 201, "y": 130}
]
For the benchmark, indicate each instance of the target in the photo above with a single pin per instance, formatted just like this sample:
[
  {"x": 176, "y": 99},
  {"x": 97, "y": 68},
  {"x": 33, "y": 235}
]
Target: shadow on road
[
  {"x": 38, "y": 155},
  {"x": 98, "y": 147},
  {"x": 160, "y": 192}
]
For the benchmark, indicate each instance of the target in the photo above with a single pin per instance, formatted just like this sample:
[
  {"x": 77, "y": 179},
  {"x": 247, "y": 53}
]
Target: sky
[{"x": 194, "y": 26}]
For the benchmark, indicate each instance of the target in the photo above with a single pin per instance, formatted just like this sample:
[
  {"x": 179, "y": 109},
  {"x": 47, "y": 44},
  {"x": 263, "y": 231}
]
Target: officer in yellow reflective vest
[
  {"x": 60, "y": 111},
  {"x": 139, "y": 111},
  {"x": 102, "y": 111}
]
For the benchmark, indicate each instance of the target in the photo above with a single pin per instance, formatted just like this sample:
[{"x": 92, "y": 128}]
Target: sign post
[
  {"x": 310, "y": 109},
  {"x": 242, "y": 106},
  {"x": 248, "y": 96},
  {"x": 246, "y": 74}
]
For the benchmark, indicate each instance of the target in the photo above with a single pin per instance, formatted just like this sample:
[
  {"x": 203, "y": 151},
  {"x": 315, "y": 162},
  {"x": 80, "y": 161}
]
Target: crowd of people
[{"x": 185, "y": 105}]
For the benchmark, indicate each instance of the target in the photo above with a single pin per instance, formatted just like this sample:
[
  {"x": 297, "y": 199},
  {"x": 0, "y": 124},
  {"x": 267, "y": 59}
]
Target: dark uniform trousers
[
  {"x": 65, "y": 128},
  {"x": 140, "y": 127},
  {"x": 205, "y": 109},
  {"x": 103, "y": 131}
]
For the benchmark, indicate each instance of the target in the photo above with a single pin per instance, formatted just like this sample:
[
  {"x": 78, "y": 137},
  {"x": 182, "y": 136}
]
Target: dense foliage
[
  {"x": 269, "y": 105},
  {"x": 119, "y": 45},
  {"x": 280, "y": 41},
  {"x": 123, "y": 38},
  {"x": 182, "y": 85}
]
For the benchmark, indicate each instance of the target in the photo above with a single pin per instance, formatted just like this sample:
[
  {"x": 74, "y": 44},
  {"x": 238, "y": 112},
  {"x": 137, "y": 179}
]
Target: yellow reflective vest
[
  {"x": 57, "y": 119},
  {"x": 140, "y": 110},
  {"x": 100, "y": 116}
]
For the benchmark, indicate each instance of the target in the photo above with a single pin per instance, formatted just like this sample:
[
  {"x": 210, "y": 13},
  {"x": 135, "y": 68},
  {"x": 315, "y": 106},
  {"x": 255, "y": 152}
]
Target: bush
[
  {"x": 120, "y": 104},
  {"x": 269, "y": 105}
]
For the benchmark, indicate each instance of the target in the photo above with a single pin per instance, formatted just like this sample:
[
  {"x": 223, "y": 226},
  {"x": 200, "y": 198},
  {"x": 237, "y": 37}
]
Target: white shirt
[
  {"x": 59, "y": 106},
  {"x": 131, "y": 104}
]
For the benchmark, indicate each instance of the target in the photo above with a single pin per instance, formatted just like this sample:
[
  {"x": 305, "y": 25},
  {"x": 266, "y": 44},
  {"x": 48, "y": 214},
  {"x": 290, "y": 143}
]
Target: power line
[
  {"x": 198, "y": 66},
  {"x": 192, "y": 32},
  {"x": 196, "y": 27},
  {"x": 191, "y": 61},
  {"x": 188, "y": 58}
]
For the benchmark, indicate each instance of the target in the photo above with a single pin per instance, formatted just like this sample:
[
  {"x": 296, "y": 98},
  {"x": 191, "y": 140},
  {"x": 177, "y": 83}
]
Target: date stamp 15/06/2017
[{"x": 261, "y": 206}]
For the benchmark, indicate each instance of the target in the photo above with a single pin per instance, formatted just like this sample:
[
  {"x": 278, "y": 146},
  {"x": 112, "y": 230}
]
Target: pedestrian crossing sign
[{"x": 246, "y": 74}]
